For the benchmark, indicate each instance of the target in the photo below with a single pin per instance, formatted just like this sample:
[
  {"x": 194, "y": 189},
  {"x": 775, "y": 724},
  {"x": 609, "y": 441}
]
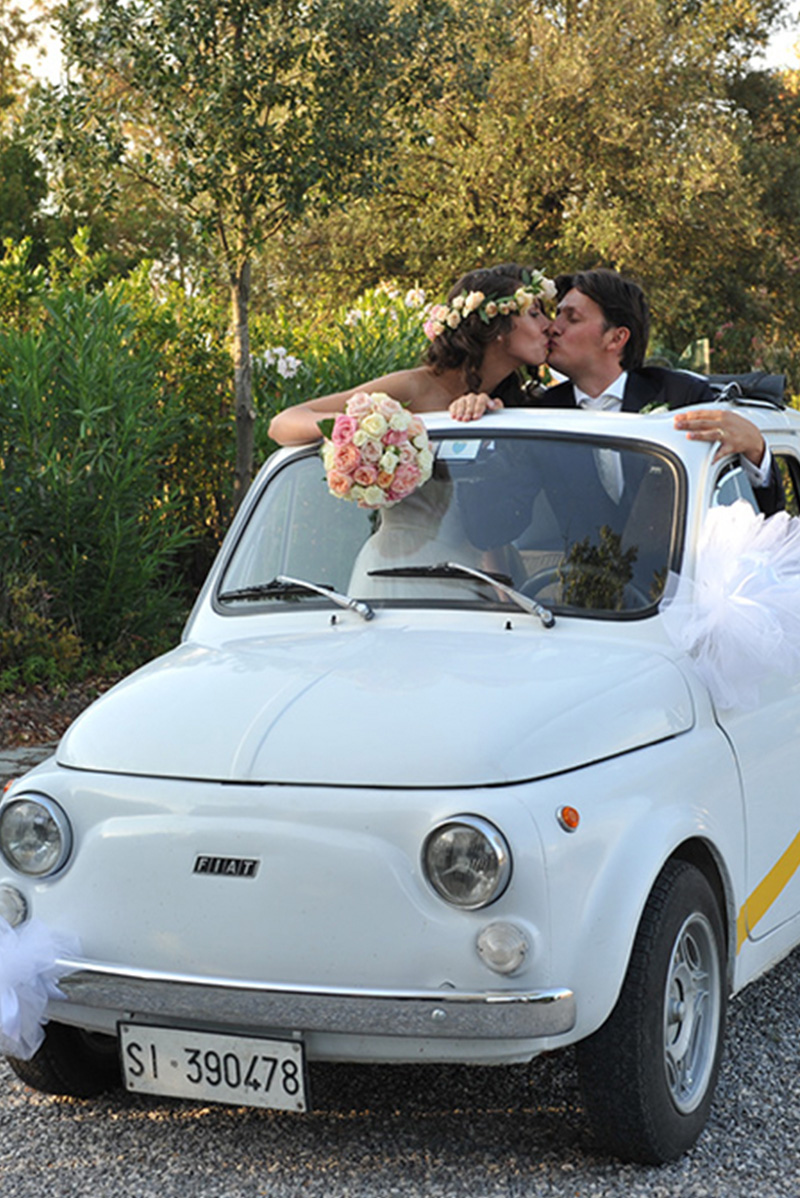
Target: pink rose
[
  {"x": 359, "y": 404},
  {"x": 395, "y": 436},
  {"x": 343, "y": 429},
  {"x": 339, "y": 484},
  {"x": 416, "y": 427},
  {"x": 408, "y": 455},
  {"x": 404, "y": 481},
  {"x": 388, "y": 407},
  {"x": 365, "y": 476},
  {"x": 371, "y": 451},
  {"x": 399, "y": 491},
  {"x": 346, "y": 458}
]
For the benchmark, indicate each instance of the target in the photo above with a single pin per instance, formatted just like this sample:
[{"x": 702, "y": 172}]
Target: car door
[{"x": 767, "y": 747}]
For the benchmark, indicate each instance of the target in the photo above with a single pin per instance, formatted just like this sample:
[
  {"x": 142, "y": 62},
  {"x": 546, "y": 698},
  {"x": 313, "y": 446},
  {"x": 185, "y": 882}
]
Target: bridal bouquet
[{"x": 375, "y": 452}]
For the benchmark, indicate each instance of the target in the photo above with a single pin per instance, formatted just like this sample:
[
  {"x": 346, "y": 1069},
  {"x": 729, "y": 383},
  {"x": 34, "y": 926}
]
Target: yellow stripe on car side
[{"x": 759, "y": 902}]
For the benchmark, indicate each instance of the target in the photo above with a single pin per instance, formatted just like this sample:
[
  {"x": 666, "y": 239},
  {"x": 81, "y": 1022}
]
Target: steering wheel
[{"x": 632, "y": 595}]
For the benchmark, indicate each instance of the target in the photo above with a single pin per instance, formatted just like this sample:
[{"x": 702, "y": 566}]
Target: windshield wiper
[
  {"x": 284, "y": 587},
  {"x": 501, "y": 582}
]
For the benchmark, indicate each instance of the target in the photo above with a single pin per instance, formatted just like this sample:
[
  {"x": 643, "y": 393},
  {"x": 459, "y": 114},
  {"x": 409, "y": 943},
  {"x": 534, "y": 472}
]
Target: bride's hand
[{"x": 473, "y": 406}]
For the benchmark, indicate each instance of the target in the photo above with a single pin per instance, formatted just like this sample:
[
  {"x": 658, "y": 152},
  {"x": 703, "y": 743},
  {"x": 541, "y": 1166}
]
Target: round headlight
[
  {"x": 467, "y": 861},
  {"x": 35, "y": 836}
]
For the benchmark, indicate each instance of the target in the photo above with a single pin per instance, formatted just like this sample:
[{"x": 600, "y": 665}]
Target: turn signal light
[{"x": 569, "y": 818}]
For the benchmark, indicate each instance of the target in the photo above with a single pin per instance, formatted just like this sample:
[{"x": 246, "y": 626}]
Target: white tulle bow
[
  {"x": 28, "y": 978},
  {"x": 739, "y": 618}
]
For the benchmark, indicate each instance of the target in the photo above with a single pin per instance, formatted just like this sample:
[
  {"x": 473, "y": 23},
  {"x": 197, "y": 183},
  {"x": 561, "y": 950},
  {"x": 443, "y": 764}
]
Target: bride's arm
[{"x": 297, "y": 425}]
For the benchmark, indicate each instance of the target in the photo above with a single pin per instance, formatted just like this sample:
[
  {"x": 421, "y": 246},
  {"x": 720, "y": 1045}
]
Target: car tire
[
  {"x": 648, "y": 1074},
  {"x": 71, "y": 1062}
]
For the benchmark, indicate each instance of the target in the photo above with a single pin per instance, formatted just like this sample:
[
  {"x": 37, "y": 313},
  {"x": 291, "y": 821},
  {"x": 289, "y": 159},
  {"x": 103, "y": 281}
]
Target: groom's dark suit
[
  {"x": 643, "y": 387},
  {"x": 494, "y": 522},
  {"x": 654, "y": 385}
]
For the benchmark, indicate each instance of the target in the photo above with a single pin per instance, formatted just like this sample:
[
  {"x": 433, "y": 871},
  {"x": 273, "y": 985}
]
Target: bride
[{"x": 491, "y": 326}]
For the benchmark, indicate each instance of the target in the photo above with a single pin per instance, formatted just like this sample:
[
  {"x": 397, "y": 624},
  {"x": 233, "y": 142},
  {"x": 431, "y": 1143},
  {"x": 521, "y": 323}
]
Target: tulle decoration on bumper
[
  {"x": 739, "y": 618},
  {"x": 28, "y": 978}
]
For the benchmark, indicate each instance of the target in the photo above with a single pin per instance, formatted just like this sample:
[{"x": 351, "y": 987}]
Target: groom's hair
[{"x": 623, "y": 304}]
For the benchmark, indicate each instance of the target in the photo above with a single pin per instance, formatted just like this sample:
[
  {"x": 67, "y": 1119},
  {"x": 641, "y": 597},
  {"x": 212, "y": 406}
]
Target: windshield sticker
[{"x": 453, "y": 451}]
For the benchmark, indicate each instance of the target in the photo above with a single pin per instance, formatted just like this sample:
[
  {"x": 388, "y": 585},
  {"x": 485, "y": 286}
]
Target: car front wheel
[
  {"x": 648, "y": 1074},
  {"x": 71, "y": 1062}
]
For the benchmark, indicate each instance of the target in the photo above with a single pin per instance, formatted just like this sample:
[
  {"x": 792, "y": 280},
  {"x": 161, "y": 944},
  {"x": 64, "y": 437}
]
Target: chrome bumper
[{"x": 438, "y": 1014}]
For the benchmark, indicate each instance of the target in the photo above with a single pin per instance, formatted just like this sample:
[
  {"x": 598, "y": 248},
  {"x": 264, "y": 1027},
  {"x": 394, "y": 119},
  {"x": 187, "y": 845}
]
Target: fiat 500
[{"x": 429, "y": 783}]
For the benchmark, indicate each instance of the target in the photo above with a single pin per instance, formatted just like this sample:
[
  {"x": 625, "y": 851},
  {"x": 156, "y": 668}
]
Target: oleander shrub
[
  {"x": 85, "y": 500},
  {"x": 35, "y": 647}
]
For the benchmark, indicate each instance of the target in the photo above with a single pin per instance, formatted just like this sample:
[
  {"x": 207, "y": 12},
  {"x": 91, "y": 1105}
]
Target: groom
[{"x": 598, "y": 340}]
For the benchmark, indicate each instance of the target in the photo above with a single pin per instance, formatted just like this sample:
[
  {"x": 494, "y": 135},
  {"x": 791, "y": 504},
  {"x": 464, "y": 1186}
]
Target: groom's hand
[{"x": 735, "y": 433}]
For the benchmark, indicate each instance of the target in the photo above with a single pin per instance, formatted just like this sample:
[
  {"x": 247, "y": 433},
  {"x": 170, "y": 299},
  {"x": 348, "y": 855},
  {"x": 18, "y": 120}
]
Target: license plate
[{"x": 243, "y": 1070}]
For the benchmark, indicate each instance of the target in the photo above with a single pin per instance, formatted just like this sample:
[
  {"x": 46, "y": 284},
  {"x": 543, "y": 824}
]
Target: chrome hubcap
[{"x": 692, "y": 1005}]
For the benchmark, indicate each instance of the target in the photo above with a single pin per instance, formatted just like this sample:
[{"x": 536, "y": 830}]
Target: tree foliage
[
  {"x": 608, "y": 134},
  {"x": 244, "y": 112}
]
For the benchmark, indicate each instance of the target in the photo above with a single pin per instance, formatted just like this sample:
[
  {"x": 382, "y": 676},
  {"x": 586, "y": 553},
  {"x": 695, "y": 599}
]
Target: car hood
[{"x": 403, "y": 708}]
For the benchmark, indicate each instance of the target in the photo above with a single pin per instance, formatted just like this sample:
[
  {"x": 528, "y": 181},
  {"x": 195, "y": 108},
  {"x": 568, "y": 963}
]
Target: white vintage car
[{"x": 434, "y": 784}]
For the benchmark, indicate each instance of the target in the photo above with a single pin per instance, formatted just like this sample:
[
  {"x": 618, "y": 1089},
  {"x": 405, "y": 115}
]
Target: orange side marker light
[{"x": 569, "y": 818}]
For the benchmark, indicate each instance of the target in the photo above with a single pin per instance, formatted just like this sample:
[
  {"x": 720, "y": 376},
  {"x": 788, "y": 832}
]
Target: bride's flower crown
[{"x": 440, "y": 317}]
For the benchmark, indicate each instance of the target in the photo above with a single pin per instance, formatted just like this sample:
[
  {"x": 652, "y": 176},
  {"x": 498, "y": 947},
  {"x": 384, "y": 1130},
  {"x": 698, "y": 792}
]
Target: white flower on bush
[
  {"x": 415, "y": 298},
  {"x": 288, "y": 366}
]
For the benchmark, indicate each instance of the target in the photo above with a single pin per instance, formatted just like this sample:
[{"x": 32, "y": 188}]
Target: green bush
[
  {"x": 85, "y": 502},
  {"x": 34, "y": 647},
  {"x": 300, "y": 357},
  {"x": 188, "y": 335}
]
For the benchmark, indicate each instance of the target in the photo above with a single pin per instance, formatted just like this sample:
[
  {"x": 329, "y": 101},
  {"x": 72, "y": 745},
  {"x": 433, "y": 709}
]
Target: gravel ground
[{"x": 420, "y": 1131}]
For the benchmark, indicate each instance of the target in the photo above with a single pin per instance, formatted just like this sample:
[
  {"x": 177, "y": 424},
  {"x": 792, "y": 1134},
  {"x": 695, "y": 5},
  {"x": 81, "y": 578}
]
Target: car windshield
[{"x": 582, "y": 526}]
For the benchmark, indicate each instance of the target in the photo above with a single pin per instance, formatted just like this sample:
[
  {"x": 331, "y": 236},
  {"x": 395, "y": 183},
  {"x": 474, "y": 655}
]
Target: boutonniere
[{"x": 649, "y": 408}]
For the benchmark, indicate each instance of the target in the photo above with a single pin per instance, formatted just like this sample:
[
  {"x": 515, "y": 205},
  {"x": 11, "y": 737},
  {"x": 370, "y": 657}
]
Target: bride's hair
[{"x": 465, "y": 346}]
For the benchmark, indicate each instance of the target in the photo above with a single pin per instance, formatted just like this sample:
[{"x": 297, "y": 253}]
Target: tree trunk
[{"x": 242, "y": 382}]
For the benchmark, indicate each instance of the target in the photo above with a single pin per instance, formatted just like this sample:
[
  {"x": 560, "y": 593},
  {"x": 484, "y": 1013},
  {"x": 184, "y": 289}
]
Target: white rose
[
  {"x": 388, "y": 462},
  {"x": 374, "y": 424},
  {"x": 374, "y": 497}
]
